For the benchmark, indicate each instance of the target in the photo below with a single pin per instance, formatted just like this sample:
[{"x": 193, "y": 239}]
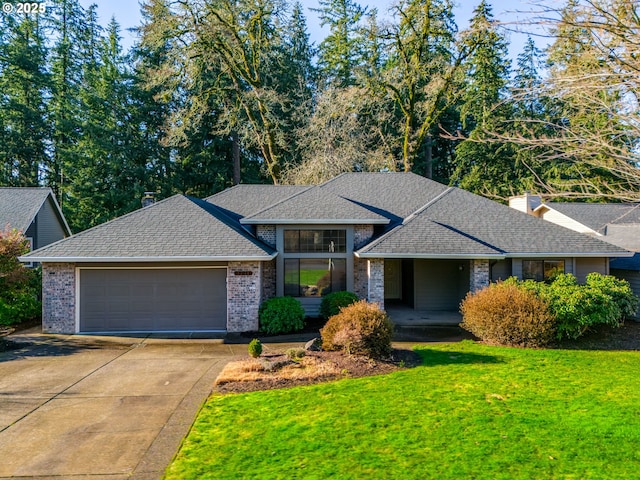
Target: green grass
[{"x": 471, "y": 411}]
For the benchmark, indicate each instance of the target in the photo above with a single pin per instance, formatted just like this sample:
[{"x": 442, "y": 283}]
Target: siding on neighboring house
[
  {"x": 558, "y": 218},
  {"x": 49, "y": 229},
  {"x": 633, "y": 277}
]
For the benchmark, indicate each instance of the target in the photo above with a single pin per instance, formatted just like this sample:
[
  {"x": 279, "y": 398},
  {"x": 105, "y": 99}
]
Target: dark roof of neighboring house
[
  {"x": 318, "y": 206},
  {"x": 242, "y": 200},
  {"x": 20, "y": 205},
  {"x": 597, "y": 215},
  {"x": 178, "y": 228},
  {"x": 486, "y": 228},
  {"x": 631, "y": 263}
]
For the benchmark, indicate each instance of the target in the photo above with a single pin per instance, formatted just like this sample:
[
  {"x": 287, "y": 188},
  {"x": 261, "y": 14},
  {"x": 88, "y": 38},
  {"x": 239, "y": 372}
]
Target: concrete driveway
[{"x": 101, "y": 407}]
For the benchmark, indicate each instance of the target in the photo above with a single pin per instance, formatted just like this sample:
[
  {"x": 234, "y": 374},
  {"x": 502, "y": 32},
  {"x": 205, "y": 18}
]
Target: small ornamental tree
[{"x": 19, "y": 286}]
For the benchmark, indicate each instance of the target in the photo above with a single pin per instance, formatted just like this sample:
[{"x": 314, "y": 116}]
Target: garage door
[{"x": 153, "y": 299}]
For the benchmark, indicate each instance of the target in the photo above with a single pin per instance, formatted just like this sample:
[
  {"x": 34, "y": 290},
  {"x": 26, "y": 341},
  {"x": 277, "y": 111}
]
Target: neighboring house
[
  {"x": 185, "y": 264},
  {"x": 616, "y": 223},
  {"x": 35, "y": 212}
]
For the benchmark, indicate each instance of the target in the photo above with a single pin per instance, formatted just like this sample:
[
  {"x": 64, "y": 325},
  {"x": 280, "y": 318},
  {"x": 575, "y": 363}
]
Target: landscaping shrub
[
  {"x": 361, "y": 328},
  {"x": 281, "y": 315},
  {"x": 333, "y": 302},
  {"x": 19, "y": 286},
  {"x": 619, "y": 290},
  {"x": 255, "y": 348},
  {"x": 507, "y": 314},
  {"x": 603, "y": 300}
]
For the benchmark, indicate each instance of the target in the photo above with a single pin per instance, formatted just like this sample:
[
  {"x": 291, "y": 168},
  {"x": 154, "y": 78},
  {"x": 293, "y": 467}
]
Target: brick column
[
  {"x": 58, "y": 298},
  {"x": 375, "y": 274},
  {"x": 243, "y": 296},
  {"x": 479, "y": 275}
]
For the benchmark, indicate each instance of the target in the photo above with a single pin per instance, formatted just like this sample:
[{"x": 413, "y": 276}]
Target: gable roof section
[
  {"x": 179, "y": 228},
  {"x": 598, "y": 215},
  {"x": 316, "y": 206},
  {"x": 20, "y": 205},
  {"x": 467, "y": 225},
  {"x": 243, "y": 200}
]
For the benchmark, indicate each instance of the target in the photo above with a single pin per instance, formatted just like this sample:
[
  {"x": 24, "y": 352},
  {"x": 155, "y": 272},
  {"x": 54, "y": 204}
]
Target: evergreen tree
[
  {"x": 483, "y": 167},
  {"x": 24, "y": 84},
  {"x": 340, "y": 52}
]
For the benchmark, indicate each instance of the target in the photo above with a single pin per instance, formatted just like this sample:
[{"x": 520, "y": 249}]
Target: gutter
[{"x": 245, "y": 258}]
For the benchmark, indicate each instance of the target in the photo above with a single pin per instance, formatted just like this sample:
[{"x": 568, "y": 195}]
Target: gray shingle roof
[
  {"x": 20, "y": 205},
  {"x": 242, "y": 200},
  {"x": 317, "y": 206},
  {"x": 484, "y": 224},
  {"x": 392, "y": 194},
  {"x": 597, "y": 215},
  {"x": 178, "y": 228}
]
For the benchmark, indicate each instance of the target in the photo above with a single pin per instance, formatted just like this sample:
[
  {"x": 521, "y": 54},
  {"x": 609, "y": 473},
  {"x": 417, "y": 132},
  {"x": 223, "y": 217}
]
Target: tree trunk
[
  {"x": 236, "y": 157},
  {"x": 428, "y": 157}
]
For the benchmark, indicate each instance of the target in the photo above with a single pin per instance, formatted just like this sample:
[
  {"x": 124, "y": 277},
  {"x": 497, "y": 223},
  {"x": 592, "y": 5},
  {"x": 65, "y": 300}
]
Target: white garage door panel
[{"x": 178, "y": 299}]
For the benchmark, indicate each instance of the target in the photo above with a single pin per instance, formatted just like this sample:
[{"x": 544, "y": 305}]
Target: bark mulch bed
[{"x": 277, "y": 370}]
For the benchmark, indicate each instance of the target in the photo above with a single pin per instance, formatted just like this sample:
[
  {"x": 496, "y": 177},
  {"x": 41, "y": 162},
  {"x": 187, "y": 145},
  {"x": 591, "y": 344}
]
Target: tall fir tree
[
  {"x": 340, "y": 53},
  {"x": 25, "y": 85},
  {"x": 488, "y": 168}
]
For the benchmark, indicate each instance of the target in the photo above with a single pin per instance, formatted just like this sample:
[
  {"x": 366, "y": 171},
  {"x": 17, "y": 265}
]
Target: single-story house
[
  {"x": 35, "y": 212},
  {"x": 184, "y": 264},
  {"x": 615, "y": 223}
]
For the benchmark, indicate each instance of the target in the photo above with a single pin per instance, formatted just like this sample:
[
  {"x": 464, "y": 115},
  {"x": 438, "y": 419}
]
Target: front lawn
[{"x": 471, "y": 411}]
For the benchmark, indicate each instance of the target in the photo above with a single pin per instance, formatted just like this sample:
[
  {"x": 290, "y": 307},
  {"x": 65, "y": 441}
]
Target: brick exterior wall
[
  {"x": 375, "y": 273},
  {"x": 268, "y": 280},
  {"x": 244, "y": 290},
  {"x": 58, "y": 298},
  {"x": 479, "y": 275},
  {"x": 360, "y": 278},
  {"x": 267, "y": 234},
  {"x": 362, "y": 234}
]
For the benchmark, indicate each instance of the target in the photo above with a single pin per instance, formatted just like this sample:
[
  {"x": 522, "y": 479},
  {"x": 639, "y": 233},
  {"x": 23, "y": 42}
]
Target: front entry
[{"x": 392, "y": 279}]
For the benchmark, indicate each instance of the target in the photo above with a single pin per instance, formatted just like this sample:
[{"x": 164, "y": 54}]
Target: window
[
  {"x": 541, "y": 270},
  {"x": 314, "y": 277},
  {"x": 314, "y": 261},
  {"x": 315, "y": 241}
]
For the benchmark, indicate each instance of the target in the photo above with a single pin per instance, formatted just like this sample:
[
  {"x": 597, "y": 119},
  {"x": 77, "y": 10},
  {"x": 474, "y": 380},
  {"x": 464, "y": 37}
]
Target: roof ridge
[
  {"x": 629, "y": 211},
  {"x": 282, "y": 201},
  {"x": 427, "y": 205}
]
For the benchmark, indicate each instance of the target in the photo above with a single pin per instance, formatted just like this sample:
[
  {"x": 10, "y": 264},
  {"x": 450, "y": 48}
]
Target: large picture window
[
  {"x": 541, "y": 270},
  {"x": 314, "y": 277},
  {"x": 315, "y": 261}
]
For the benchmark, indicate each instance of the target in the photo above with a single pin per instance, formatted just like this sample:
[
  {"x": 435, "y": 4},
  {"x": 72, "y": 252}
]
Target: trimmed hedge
[
  {"x": 333, "y": 302},
  {"x": 361, "y": 328},
  {"x": 281, "y": 315}
]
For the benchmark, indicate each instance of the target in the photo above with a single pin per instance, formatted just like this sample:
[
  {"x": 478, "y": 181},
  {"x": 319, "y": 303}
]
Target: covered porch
[{"x": 428, "y": 291}]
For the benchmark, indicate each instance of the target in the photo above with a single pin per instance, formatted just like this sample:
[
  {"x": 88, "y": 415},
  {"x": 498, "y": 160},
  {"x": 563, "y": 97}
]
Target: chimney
[
  {"x": 148, "y": 199},
  {"x": 526, "y": 203}
]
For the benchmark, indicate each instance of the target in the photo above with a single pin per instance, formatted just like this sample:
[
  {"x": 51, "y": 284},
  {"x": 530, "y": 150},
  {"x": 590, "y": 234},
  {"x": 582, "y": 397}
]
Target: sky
[{"x": 127, "y": 13}]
